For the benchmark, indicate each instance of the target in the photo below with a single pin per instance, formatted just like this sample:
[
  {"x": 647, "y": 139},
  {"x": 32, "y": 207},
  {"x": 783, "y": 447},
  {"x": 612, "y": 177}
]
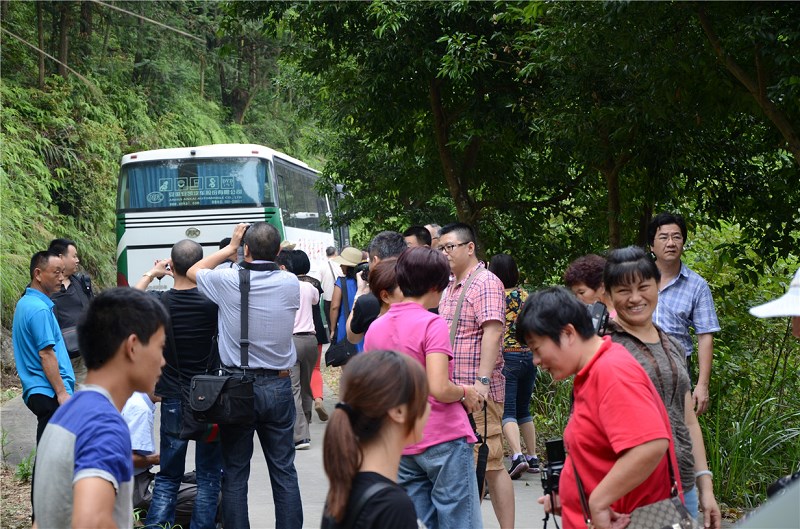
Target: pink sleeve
[{"x": 437, "y": 337}]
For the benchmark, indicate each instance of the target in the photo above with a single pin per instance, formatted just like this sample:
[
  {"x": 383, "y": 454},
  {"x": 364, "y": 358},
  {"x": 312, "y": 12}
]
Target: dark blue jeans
[
  {"x": 274, "y": 423},
  {"x": 208, "y": 463},
  {"x": 520, "y": 376}
]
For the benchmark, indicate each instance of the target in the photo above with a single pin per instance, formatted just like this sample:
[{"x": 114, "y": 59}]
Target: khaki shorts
[{"x": 494, "y": 415}]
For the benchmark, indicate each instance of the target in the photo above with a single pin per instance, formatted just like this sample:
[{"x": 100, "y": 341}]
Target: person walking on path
[
  {"x": 71, "y": 301},
  {"x": 519, "y": 371},
  {"x": 631, "y": 280},
  {"x": 40, "y": 354},
  {"x": 384, "y": 408},
  {"x": 84, "y": 467},
  {"x": 477, "y": 349},
  {"x": 190, "y": 351},
  {"x": 273, "y": 301},
  {"x": 431, "y": 471},
  {"x": 684, "y": 301}
]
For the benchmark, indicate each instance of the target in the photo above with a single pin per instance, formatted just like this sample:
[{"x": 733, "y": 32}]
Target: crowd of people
[{"x": 433, "y": 408}]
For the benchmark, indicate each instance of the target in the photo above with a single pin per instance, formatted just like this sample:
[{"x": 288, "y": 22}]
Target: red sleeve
[{"x": 629, "y": 414}]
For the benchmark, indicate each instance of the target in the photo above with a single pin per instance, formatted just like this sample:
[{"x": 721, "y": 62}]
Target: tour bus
[{"x": 201, "y": 193}]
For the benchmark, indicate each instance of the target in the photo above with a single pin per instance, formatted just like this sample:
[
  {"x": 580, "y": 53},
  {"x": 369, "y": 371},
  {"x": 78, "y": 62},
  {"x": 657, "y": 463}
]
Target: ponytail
[
  {"x": 341, "y": 457},
  {"x": 371, "y": 385}
]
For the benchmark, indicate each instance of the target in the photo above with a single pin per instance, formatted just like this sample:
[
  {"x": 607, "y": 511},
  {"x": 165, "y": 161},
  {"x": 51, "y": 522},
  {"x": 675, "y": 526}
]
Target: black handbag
[
  {"x": 229, "y": 398},
  {"x": 339, "y": 354}
]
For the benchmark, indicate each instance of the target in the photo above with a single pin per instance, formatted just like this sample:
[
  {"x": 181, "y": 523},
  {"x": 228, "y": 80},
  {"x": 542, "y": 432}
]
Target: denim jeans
[
  {"x": 274, "y": 423},
  {"x": 441, "y": 483},
  {"x": 520, "y": 376},
  {"x": 208, "y": 463},
  {"x": 690, "y": 501}
]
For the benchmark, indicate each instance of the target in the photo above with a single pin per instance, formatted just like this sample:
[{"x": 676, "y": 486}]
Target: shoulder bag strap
[
  {"x": 345, "y": 297},
  {"x": 244, "y": 289},
  {"x": 457, "y": 316},
  {"x": 354, "y": 512}
]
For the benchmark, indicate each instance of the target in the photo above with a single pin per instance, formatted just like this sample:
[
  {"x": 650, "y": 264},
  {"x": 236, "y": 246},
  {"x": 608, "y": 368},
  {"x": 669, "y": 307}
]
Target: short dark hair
[
  {"x": 421, "y": 269},
  {"x": 40, "y": 260},
  {"x": 59, "y": 246},
  {"x": 464, "y": 232},
  {"x": 224, "y": 242},
  {"x": 503, "y": 266},
  {"x": 330, "y": 250},
  {"x": 387, "y": 244},
  {"x": 662, "y": 219},
  {"x": 627, "y": 265},
  {"x": 421, "y": 233},
  {"x": 587, "y": 270},
  {"x": 301, "y": 264},
  {"x": 284, "y": 258},
  {"x": 112, "y": 317},
  {"x": 184, "y": 255},
  {"x": 383, "y": 276},
  {"x": 548, "y": 311},
  {"x": 263, "y": 240}
]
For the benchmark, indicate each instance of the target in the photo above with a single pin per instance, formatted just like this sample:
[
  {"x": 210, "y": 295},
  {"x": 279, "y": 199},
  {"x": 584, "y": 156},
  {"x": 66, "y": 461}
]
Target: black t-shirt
[
  {"x": 70, "y": 302},
  {"x": 390, "y": 508},
  {"x": 365, "y": 310},
  {"x": 194, "y": 323}
]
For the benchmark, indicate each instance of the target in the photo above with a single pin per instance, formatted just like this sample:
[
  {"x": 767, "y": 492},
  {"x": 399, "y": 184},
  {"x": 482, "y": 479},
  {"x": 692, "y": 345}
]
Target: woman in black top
[{"x": 384, "y": 408}]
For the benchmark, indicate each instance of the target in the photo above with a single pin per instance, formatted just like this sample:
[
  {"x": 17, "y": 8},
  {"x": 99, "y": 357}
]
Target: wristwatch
[{"x": 484, "y": 380}]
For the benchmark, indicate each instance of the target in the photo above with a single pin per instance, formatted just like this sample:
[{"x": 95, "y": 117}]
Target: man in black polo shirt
[
  {"x": 71, "y": 301},
  {"x": 367, "y": 307}
]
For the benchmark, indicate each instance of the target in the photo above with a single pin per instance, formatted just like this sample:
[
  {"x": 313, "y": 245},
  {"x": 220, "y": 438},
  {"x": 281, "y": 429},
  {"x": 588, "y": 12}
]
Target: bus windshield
[{"x": 188, "y": 183}]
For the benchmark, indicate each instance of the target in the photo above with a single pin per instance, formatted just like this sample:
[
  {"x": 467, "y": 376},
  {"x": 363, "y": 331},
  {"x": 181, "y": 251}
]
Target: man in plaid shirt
[
  {"x": 684, "y": 300},
  {"x": 477, "y": 349}
]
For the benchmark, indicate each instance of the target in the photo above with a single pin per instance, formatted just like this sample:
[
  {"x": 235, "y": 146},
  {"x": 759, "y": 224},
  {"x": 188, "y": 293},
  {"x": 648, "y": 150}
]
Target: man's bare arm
[
  {"x": 93, "y": 504},
  {"x": 51, "y": 371},
  {"x": 705, "y": 354},
  {"x": 490, "y": 350},
  {"x": 220, "y": 256}
]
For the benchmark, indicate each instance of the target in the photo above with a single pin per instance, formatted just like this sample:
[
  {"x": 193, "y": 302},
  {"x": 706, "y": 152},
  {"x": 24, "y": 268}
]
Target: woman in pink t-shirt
[{"x": 437, "y": 472}]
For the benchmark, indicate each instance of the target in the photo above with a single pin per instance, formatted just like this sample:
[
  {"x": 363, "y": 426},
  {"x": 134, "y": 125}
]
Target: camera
[
  {"x": 551, "y": 472},
  {"x": 599, "y": 314},
  {"x": 363, "y": 269}
]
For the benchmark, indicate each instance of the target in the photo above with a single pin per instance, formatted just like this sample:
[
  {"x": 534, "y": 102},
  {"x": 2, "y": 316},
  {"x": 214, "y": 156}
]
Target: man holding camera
[
  {"x": 273, "y": 301},
  {"x": 367, "y": 307}
]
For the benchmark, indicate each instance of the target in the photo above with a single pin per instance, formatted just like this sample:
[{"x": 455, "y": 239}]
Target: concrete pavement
[{"x": 20, "y": 427}]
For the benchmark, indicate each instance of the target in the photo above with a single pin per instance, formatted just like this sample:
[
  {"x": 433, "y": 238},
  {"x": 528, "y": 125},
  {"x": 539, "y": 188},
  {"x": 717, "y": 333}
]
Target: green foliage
[{"x": 24, "y": 470}]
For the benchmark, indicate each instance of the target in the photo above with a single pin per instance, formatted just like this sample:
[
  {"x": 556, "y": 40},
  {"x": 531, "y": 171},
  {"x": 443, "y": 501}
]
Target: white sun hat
[{"x": 786, "y": 305}]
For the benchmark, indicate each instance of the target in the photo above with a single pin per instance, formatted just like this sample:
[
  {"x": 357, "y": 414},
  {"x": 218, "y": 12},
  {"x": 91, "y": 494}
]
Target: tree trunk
[
  {"x": 40, "y": 32},
  {"x": 4, "y": 9},
  {"x": 757, "y": 88},
  {"x": 453, "y": 177},
  {"x": 63, "y": 42},
  {"x": 138, "y": 57},
  {"x": 85, "y": 35},
  {"x": 644, "y": 222},
  {"x": 610, "y": 171}
]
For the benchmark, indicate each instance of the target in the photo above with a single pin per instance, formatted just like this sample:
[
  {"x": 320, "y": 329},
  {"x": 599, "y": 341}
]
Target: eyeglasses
[
  {"x": 447, "y": 248},
  {"x": 676, "y": 238}
]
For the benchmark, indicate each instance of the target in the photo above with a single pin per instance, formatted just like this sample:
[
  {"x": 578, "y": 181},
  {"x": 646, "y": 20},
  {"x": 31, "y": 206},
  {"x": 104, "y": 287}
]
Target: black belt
[
  {"x": 310, "y": 333},
  {"x": 280, "y": 373}
]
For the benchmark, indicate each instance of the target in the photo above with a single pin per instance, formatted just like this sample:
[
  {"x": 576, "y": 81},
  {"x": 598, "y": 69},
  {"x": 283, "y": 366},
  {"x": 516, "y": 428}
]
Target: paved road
[{"x": 20, "y": 425}]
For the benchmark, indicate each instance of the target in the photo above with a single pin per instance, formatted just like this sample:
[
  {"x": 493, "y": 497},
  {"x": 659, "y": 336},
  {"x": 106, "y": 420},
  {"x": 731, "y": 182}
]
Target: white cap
[{"x": 786, "y": 305}]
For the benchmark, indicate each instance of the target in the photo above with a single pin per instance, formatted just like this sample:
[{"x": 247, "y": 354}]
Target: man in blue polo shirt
[
  {"x": 42, "y": 360},
  {"x": 684, "y": 301}
]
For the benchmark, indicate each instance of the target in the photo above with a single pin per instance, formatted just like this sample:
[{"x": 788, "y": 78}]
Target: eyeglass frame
[
  {"x": 664, "y": 238},
  {"x": 451, "y": 246}
]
